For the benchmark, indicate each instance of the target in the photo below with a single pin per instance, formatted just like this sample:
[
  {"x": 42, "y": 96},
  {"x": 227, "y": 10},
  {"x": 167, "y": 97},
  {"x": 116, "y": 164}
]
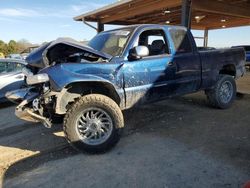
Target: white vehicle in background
[
  {"x": 14, "y": 56},
  {"x": 11, "y": 76}
]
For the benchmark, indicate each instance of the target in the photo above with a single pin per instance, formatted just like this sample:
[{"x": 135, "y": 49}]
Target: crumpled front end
[
  {"x": 30, "y": 107},
  {"x": 63, "y": 50},
  {"x": 46, "y": 77}
]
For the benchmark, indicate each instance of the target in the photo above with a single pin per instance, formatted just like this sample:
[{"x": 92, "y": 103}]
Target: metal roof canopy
[
  {"x": 206, "y": 14},
  {"x": 195, "y": 14}
]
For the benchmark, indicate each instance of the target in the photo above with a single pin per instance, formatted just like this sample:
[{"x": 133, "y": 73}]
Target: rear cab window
[{"x": 181, "y": 41}]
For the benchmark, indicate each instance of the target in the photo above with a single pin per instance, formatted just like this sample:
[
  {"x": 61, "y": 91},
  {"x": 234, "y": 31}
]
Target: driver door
[{"x": 150, "y": 78}]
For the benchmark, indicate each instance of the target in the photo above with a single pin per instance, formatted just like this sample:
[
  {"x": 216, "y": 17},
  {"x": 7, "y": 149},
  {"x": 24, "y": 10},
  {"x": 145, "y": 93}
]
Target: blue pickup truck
[{"x": 89, "y": 86}]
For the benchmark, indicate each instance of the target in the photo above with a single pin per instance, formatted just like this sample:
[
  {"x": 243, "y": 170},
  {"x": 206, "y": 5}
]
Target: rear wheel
[
  {"x": 93, "y": 124},
  {"x": 224, "y": 92}
]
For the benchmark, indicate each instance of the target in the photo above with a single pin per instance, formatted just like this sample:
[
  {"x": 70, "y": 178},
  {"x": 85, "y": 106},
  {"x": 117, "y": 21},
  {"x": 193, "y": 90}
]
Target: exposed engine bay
[{"x": 64, "y": 50}]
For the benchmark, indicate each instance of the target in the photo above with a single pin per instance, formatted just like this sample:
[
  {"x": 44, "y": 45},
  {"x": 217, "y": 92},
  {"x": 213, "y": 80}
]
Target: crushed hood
[{"x": 60, "y": 49}]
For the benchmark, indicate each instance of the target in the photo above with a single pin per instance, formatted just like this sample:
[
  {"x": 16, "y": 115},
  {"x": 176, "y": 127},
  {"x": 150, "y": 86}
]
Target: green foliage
[
  {"x": 13, "y": 47},
  {"x": 3, "y": 47}
]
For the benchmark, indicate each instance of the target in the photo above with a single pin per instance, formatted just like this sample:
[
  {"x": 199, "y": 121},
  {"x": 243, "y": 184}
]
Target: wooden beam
[
  {"x": 223, "y": 8},
  {"x": 229, "y": 26},
  {"x": 158, "y": 13},
  {"x": 150, "y": 17},
  {"x": 215, "y": 25},
  {"x": 162, "y": 19},
  {"x": 186, "y": 13},
  {"x": 142, "y": 9},
  {"x": 123, "y": 7}
]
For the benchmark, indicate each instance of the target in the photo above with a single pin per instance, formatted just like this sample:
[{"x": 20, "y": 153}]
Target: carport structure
[{"x": 196, "y": 14}]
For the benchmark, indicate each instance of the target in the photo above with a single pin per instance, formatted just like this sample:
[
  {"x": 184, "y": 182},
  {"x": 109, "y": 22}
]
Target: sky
[{"x": 45, "y": 20}]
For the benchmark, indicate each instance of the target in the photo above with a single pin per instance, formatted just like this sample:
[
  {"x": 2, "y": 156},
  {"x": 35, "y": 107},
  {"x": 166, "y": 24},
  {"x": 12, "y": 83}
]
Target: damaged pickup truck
[{"x": 89, "y": 86}]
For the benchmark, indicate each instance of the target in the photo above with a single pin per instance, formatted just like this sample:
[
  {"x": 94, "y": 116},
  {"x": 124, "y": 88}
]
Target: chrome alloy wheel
[
  {"x": 94, "y": 126},
  {"x": 226, "y": 92}
]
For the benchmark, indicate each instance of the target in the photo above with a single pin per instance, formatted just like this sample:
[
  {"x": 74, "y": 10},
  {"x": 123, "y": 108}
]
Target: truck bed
[{"x": 213, "y": 61}]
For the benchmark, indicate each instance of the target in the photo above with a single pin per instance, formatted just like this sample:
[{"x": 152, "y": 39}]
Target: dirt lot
[{"x": 181, "y": 142}]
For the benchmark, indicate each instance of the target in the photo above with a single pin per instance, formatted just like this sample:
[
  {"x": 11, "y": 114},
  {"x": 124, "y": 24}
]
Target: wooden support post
[
  {"x": 186, "y": 13},
  {"x": 205, "y": 38},
  {"x": 100, "y": 27}
]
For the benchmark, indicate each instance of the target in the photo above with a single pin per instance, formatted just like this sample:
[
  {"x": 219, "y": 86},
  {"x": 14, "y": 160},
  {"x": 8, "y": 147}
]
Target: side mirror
[{"x": 138, "y": 52}]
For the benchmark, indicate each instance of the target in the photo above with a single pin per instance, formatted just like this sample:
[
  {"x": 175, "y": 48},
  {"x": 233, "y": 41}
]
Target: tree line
[{"x": 13, "y": 47}]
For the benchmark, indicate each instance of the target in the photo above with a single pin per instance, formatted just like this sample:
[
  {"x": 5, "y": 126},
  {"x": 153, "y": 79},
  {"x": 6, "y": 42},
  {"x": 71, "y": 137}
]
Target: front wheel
[
  {"x": 224, "y": 92},
  {"x": 93, "y": 124}
]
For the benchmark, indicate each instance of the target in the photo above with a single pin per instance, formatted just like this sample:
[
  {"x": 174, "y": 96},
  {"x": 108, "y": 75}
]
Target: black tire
[
  {"x": 93, "y": 101},
  {"x": 214, "y": 96}
]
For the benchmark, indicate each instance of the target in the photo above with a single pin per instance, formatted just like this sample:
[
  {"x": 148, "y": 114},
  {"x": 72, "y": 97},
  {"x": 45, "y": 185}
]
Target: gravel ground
[{"x": 181, "y": 142}]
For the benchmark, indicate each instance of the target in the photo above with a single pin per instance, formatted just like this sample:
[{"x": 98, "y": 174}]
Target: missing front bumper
[
  {"x": 23, "y": 111},
  {"x": 28, "y": 114},
  {"x": 17, "y": 96}
]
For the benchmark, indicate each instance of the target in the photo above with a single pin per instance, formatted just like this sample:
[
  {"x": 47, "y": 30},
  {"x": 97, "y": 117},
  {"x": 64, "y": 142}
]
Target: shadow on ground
[
  {"x": 174, "y": 143},
  {"x": 6, "y": 104}
]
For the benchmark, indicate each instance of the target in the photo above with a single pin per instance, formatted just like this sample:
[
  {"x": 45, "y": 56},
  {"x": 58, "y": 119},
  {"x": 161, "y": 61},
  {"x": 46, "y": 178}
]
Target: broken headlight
[{"x": 37, "y": 79}]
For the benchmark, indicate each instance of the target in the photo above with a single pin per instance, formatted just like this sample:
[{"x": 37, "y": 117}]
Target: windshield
[{"x": 112, "y": 42}]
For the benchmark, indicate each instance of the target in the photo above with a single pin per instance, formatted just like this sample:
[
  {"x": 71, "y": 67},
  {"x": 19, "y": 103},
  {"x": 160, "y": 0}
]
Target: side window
[
  {"x": 181, "y": 40},
  {"x": 2, "y": 67},
  {"x": 6, "y": 67},
  {"x": 155, "y": 40},
  {"x": 10, "y": 67},
  {"x": 18, "y": 67}
]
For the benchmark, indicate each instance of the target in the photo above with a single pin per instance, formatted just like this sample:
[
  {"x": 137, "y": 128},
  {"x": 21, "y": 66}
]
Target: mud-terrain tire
[
  {"x": 93, "y": 124},
  {"x": 223, "y": 94}
]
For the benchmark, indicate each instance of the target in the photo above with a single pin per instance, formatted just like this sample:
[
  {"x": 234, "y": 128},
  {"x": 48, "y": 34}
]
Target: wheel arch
[
  {"x": 75, "y": 90},
  {"x": 229, "y": 69}
]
